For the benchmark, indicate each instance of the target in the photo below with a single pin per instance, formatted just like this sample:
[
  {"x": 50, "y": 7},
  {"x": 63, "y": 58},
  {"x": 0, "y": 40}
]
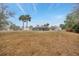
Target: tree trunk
[
  {"x": 23, "y": 26},
  {"x": 26, "y": 24}
]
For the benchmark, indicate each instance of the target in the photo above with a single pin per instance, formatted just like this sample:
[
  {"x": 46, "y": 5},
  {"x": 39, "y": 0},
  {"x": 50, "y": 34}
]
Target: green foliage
[
  {"x": 72, "y": 20},
  {"x": 4, "y": 15},
  {"x": 25, "y": 18},
  {"x": 14, "y": 27},
  {"x": 46, "y": 25},
  {"x": 62, "y": 26},
  {"x": 76, "y": 28}
]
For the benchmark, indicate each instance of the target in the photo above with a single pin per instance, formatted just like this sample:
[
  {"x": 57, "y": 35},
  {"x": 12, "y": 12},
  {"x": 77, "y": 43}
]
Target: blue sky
[{"x": 41, "y": 13}]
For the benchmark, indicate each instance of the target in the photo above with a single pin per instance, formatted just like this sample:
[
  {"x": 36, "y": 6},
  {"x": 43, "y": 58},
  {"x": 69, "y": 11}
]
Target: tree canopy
[
  {"x": 72, "y": 20},
  {"x": 5, "y": 13}
]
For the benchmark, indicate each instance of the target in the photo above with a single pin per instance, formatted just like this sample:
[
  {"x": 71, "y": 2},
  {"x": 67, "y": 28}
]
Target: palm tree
[
  {"x": 25, "y": 18},
  {"x": 22, "y": 18},
  {"x": 28, "y": 18}
]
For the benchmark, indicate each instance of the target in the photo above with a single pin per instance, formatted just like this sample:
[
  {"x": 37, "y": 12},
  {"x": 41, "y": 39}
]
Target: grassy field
[{"x": 39, "y": 43}]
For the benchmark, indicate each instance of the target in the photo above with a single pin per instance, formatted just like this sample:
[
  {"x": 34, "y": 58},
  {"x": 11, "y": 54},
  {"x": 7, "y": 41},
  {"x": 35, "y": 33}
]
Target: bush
[{"x": 76, "y": 28}]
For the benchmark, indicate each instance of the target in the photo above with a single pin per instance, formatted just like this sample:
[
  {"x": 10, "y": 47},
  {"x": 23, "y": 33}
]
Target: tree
[
  {"x": 25, "y": 18},
  {"x": 14, "y": 27},
  {"x": 76, "y": 28},
  {"x": 45, "y": 27},
  {"x": 47, "y": 24},
  {"x": 72, "y": 20},
  {"x": 22, "y": 18},
  {"x": 62, "y": 26},
  {"x": 28, "y": 18},
  {"x": 5, "y": 13}
]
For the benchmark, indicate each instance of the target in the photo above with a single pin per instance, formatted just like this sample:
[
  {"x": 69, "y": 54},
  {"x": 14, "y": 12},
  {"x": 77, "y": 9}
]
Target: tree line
[{"x": 71, "y": 23}]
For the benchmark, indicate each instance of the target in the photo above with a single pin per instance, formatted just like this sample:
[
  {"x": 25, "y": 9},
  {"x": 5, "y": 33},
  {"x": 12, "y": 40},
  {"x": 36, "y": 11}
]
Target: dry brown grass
[{"x": 39, "y": 43}]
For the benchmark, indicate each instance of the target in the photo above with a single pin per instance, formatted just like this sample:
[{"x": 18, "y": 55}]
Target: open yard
[{"x": 39, "y": 43}]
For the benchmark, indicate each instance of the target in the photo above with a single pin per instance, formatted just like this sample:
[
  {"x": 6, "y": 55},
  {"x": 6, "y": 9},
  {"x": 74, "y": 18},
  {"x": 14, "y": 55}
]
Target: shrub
[{"x": 76, "y": 28}]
